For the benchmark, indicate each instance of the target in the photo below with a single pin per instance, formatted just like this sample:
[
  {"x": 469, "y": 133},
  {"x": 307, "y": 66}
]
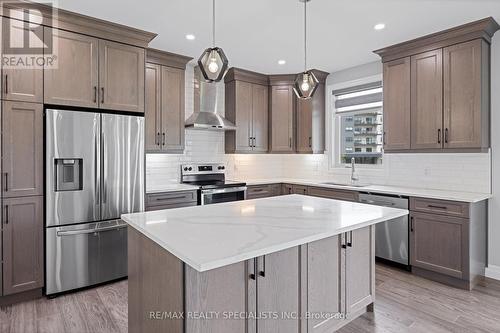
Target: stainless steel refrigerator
[{"x": 94, "y": 173}]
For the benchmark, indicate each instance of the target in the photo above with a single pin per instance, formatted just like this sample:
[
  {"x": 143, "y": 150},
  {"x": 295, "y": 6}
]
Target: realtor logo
[{"x": 24, "y": 44}]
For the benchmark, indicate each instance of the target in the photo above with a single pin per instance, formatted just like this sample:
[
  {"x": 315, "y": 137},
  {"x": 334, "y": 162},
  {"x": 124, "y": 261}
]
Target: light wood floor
[{"x": 405, "y": 303}]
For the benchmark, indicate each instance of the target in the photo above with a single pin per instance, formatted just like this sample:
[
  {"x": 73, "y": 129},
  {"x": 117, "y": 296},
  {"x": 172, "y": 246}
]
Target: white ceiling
[{"x": 256, "y": 34}]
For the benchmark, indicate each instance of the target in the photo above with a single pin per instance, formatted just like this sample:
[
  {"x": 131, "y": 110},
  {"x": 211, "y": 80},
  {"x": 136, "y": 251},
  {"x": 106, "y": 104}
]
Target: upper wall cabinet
[
  {"x": 246, "y": 105},
  {"x": 282, "y": 136},
  {"x": 311, "y": 120},
  {"x": 121, "y": 76},
  {"x": 397, "y": 104},
  {"x": 448, "y": 86},
  {"x": 165, "y": 96},
  {"x": 74, "y": 81},
  {"x": 20, "y": 84},
  {"x": 94, "y": 73}
]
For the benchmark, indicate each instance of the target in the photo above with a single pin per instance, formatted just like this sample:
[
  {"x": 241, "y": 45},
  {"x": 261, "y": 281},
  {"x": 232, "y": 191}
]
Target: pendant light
[
  {"x": 305, "y": 83},
  {"x": 213, "y": 62}
]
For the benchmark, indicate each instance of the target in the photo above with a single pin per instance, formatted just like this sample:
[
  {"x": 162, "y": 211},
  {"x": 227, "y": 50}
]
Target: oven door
[{"x": 228, "y": 194}]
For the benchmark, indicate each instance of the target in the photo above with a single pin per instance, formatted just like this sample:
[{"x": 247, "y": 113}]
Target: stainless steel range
[
  {"x": 213, "y": 187},
  {"x": 94, "y": 173}
]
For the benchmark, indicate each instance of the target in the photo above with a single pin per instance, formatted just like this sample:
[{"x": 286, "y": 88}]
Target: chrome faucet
[{"x": 354, "y": 178}]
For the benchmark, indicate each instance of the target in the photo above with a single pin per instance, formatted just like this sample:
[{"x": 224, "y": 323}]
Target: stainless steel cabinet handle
[
  {"x": 343, "y": 239},
  {"x": 445, "y": 135},
  {"x": 252, "y": 275},
  {"x": 383, "y": 138},
  {"x": 6, "y": 182},
  {"x": 349, "y": 242},
  {"x": 6, "y": 214},
  {"x": 290, "y": 142},
  {"x": 250, "y": 141},
  {"x": 263, "y": 271},
  {"x": 6, "y": 83},
  {"x": 254, "y": 142},
  {"x": 102, "y": 95},
  {"x": 163, "y": 143},
  {"x": 95, "y": 94},
  {"x": 171, "y": 198},
  {"x": 411, "y": 224},
  {"x": 310, "y": 142},
  {"x": 439, "y": 135},
  {"x": 437, "y": 207}
]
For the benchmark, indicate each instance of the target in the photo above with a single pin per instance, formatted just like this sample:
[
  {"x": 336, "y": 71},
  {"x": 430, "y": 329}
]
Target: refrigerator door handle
[
  {"x": 104, "y": 170},
  {"x": 97, "y": 179}
]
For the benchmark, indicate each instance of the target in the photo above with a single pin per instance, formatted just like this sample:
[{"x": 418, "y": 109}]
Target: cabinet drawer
[
  {"x": 452, "y": 208},
  {"x": 178, "y": 205},
  {"x": 286, "y": 189},
  {"x": 299, "y": 189},
  {"x": 263, "y": 191},
  {"x": 170, "y": 198},
  {"x": 333, "y": 194}
]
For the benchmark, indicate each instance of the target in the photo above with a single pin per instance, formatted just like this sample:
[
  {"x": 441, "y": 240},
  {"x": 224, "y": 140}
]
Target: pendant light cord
[
  {"x": 305, "y": 35},
  {"x": 213, "y": 23}
]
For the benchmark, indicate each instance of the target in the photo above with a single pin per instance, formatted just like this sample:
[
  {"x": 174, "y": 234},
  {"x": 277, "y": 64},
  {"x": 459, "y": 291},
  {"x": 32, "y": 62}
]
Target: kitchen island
[{"x": 285, "y": 264}]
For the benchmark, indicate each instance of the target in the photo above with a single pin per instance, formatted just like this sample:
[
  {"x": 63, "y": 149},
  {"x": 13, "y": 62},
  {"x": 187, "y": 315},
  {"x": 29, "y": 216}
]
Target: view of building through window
[{"x": 361, "y": 137}]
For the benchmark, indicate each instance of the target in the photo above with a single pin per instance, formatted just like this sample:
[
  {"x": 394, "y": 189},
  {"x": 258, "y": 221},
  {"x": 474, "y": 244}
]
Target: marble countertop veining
[
  {"x": 470, "y": 197},
  {"x": 213, "y": 236}
]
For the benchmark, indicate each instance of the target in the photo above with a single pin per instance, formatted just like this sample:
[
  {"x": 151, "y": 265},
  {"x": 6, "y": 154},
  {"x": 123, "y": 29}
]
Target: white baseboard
[{"x": 493, "y": 272}]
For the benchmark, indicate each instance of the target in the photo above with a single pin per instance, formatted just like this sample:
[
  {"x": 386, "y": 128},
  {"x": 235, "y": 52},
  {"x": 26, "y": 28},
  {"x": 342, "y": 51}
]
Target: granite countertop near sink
[{"x": 470, "y": 197}]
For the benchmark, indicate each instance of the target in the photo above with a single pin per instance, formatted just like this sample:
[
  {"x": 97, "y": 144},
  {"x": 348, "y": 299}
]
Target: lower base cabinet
[
  {"x": 340, "y": 279},
  {"x": 315, "y": 288},
  {"x": 22, "y": 244}
]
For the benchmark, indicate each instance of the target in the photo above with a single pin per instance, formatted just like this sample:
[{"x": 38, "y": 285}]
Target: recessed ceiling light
[
  {"x": 190, "y": 37},
  {"x": 281, "y": 62},
  {"x": 379, "y": 26}
]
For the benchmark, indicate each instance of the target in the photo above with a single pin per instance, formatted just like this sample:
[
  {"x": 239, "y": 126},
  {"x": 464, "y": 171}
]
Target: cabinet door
[
  {"x": 121, "y": 77},
  {"x": 397, "y": 104},
  {"x": 324, "y": 283},
  {"x": 298, "y": 189},
  {"x": 440, "y": 243},
  {"x": 22, "y": 244},
  {"x": 74, "y": 80},
  {"x": 286, "y": 189},
  {"x": 22, "y": 83},
  {"x": 221, "y": 290},
  {"x": 22, "y": 142},
  {"x": 282, "y": 107},
  {"x": 427, "y": 100},
  {"x": 172, "y": 109},
  {"x": 152, "y": 107},
  {"x": 260, "y": 117},
  {"x": 304, "y": 125},
  {"x": 243, "y": 107},
  {"x": 360, "y": 269},
  {"x": 463, "y": 80},
  {"x": 279, "y": 290}
]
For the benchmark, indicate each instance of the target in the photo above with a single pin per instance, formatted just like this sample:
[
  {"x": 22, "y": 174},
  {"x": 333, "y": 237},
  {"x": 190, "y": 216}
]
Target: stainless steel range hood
[{"x": 207, "y": 98}]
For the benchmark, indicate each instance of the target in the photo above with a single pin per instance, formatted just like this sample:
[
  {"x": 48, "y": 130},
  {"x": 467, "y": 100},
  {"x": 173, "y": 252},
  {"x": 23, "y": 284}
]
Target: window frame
[{"x": 334, "y": 124}]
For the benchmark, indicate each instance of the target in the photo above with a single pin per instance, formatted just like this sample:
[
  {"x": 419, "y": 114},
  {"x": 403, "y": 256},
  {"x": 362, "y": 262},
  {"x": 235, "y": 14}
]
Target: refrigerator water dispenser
[{"x": 69, "y": 173}]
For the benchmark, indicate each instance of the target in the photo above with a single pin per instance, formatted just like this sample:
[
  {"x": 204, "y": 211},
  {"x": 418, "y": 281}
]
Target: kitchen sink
[{"x": 345, "y": 184}]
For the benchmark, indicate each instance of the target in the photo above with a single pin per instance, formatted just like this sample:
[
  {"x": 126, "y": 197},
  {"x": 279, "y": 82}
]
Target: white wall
[{"x": 494, "y": 204}]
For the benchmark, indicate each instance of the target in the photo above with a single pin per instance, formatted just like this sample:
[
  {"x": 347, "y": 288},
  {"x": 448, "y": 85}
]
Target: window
[{"x": 358, "y": 130}]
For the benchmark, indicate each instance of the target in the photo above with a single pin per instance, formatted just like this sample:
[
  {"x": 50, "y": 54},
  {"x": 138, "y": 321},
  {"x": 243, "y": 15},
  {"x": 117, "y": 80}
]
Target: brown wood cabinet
[
  {"x": 22, "y": 244},
  {"x": 22, "y": 145},
  {"x": 20, "y": 84},
  {"x": 121, "y": 76},
  {"x": 427, "y": 100},
  {"x": 282, "y": 119},
  {"x": 74, "y": 81},
  {"x": 246, "y": 105},
  {"x": 165, "y": 98},
  {"x": 168, "y": 200},
  {"x": 449, "y": 86},
  {"x": 331, "y": 193},
  {"x": 397, "y": 104},
  {"x": 311, "y": 120},
  {"x": 263, "y": 191},
  {"x": 466, "y": 95}
]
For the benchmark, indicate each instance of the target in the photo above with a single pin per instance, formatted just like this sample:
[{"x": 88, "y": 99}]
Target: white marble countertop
[
  {"x": 213, "y": 236},
  {"x": 469, "y": 197},
  {"x": 170, "y": 187}
]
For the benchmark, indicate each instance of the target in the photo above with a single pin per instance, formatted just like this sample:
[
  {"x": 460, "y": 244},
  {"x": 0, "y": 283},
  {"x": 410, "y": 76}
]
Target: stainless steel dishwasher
[{"x": 391, "y": 237}]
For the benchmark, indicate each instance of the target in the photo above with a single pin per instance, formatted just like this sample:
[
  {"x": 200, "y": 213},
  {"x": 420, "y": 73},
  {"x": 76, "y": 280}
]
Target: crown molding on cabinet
[
  {"x": 484, "y": 29},
  {"x": 239, "y": 74},
  {"x": 165, "y": 58},
  {"x": 83, "y": 24}
]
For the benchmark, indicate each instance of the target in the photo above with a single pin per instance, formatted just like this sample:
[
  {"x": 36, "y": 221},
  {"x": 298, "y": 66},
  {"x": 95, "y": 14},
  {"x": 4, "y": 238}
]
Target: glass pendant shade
[
  {"x": 213, "y": 64},
  {"x": 305, "y": 85}
]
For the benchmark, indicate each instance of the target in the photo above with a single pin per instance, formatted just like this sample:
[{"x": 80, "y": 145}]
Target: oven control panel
[{"x": 199, "y": 169}]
